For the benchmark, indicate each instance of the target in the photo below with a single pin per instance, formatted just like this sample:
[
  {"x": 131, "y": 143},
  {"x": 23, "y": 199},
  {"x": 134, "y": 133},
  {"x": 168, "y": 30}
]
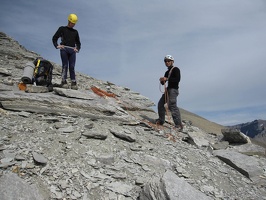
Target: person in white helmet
[
  {"x": 69, "y": 46},
  {"x": 172, "y": 77}
]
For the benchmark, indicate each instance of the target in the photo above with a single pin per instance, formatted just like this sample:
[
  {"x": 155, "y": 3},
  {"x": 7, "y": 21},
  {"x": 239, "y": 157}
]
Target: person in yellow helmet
[{"x": 69, "y": 46}]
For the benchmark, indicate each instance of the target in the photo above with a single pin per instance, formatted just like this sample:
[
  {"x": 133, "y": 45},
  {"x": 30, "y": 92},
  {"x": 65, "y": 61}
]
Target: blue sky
[{"x": 219, "y": 46}]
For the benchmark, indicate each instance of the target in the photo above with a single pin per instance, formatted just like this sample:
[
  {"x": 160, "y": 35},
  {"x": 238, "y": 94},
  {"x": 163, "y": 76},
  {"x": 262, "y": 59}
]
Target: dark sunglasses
[{"x": 167, "y": 60}]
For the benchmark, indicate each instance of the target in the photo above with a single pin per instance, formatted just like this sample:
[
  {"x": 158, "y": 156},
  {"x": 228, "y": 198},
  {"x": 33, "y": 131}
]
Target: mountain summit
[{"x": 99, "y": 142}]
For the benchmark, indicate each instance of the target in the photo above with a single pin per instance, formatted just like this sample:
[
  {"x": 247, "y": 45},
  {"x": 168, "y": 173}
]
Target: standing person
[
  {"x": 69, "y": 46},
  {"x": 172, "y": 76}
]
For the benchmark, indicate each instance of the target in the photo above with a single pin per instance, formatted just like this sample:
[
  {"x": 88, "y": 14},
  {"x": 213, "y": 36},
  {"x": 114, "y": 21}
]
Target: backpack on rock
[{"x": 43, "y": 73}]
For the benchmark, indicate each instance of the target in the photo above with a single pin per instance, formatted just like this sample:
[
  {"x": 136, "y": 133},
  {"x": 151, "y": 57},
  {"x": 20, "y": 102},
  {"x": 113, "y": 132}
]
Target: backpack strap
[{"x": 37, "y": 66}]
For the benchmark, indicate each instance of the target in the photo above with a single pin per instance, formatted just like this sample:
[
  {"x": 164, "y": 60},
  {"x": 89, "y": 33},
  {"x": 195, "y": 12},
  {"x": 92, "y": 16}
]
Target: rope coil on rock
[{"x": 102, "y": 93}]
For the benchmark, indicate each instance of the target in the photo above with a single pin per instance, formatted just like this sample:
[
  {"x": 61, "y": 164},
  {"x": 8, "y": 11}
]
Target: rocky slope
[{"x": 69, "y": 144}]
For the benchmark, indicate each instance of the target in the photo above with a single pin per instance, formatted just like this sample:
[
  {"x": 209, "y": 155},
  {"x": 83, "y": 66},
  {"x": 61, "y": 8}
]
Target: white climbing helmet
[{"x": 169, "y": 57}]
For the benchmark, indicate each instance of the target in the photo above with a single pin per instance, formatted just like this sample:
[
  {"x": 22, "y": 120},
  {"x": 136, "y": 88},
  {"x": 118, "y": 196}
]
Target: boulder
[
  {"x": 13, "y": 187},
  {"x": 234, "y": 136},
  {"x": 246, "y": 165},
  {"x": 170, "y": 187}
]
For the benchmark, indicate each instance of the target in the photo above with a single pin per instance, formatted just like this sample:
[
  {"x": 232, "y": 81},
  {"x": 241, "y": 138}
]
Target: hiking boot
[
  {"x": 74, "y": 85},
  {"x": 50, "y": 87},
  {"x": 159, "y": 122},
  {"x": 179, "y": 127},
  {"x": 64, "y": 84}
]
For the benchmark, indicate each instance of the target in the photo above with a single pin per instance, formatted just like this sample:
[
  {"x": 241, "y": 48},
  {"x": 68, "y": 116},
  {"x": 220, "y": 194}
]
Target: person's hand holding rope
[{"x": 163, "y": 80}]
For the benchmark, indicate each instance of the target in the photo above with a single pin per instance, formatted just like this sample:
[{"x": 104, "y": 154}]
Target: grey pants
[{"x": 172, "y": 97}]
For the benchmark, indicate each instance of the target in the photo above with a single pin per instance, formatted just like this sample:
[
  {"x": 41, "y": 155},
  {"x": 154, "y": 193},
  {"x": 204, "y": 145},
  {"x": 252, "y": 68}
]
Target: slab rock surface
[{"x": 81, "y": 144}]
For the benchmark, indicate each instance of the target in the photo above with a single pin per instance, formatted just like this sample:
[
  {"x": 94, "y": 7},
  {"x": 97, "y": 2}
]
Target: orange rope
[{"x": 102, "y": 93}]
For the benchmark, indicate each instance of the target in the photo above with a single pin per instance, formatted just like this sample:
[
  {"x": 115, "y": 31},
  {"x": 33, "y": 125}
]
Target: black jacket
[
  {"x": 69, "y": 37},
  {"x": 175, "y": 77}
]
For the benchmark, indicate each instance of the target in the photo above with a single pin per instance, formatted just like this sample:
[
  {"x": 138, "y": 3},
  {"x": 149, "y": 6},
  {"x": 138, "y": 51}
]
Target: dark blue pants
[
  {"x": 68, "y": 57},
  {"x": 172, "y": 94}
]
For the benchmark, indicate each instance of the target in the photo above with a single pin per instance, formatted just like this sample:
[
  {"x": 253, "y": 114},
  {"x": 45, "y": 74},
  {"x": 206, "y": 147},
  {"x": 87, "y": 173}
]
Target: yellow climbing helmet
[{"x": 73, "y": 18}]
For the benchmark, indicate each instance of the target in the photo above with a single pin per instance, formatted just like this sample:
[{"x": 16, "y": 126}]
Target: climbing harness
[{"x": 69, "y": 47}]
